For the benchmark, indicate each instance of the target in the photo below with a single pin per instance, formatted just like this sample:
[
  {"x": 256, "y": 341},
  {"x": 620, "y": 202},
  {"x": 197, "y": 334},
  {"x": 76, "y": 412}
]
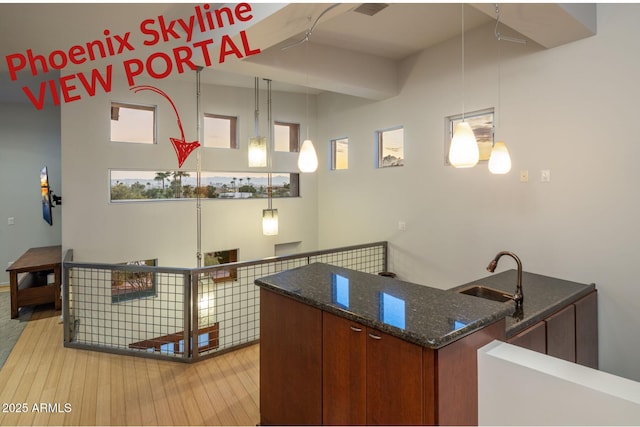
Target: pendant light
[
  {"x": 307, "y": 158},
  {"x": 257, "y": 144},
  {"x": 270, "y": 215},
  {"x": 500, "y": 160},
  {"x": 463, "y": 151}
]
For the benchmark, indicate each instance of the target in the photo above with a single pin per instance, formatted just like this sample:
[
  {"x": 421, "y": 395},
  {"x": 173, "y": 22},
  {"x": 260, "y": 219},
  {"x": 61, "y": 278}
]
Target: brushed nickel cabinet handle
[
  {"x": 354, "y": 329},
  {"x": 375, "y": 337}
]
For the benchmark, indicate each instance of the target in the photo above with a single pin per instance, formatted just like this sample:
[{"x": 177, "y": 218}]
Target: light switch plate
[{"x": 545, "y": 175}]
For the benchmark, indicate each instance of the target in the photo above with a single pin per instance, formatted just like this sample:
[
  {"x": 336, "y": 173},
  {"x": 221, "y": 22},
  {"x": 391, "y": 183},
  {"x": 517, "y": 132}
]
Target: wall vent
[{"x": 370, "y": 9}]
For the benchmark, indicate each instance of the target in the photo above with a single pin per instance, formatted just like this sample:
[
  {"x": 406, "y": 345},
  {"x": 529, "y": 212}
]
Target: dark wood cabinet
[
  {"x": 533, "y": 338},
  {"x": 369, "y": 377},
  {"x": 290, "y": 361},
  {"x": 587, "y": 330},
  {"x": 456, "y": 377},
  {"x": 344, "y": 371},
  {"x": 561, "y": 334},
  {"x": 33, "y": 288},
  {"x": 394, "y": 380},
  {"x": 320, "y": 368},
  {"x": 570, "y": 334}
]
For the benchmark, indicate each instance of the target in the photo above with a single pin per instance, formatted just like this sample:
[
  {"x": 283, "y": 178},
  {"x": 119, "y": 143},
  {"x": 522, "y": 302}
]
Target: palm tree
[
  {"x": 161, "y": 176},
  {"x": 248, "y": 181},
  {"x": 177, "y": 176}
]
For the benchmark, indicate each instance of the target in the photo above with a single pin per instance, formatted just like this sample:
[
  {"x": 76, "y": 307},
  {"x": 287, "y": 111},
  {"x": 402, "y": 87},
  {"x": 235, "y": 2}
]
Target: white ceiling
[{"x": 362, "y": 43}]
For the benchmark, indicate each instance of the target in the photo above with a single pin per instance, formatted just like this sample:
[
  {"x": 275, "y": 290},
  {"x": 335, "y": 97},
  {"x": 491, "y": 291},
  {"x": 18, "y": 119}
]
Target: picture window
[
  {"x": 286, "y": 137},
  {"x": 220, "y": 131},
  {"x": 137, "y": 185},
  {"x": 390, "y": 147},
  {"x": 340, "y": 154},
  {"x": 133, "y": 123}
]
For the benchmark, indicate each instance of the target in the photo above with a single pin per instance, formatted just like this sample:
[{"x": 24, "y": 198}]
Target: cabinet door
[
  {"x": 290, "y": 361},
  {"x": 561, "y": 334},
  {"x": 533, "y": 338},
  {"x": 394, "y": 380},
  {"x": 587, "y": 330},
  {"x": 344, "y": 371}
]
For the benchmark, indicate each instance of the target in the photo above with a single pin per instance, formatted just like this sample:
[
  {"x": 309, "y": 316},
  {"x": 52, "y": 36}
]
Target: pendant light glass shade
[
  {"x": 270, "y": 222},
  {"x": 463, "y": 151},
  {"x": 500, "y": 161},
  {"x": 257, "y": 152},
  {"x": 307, "y": 160}
]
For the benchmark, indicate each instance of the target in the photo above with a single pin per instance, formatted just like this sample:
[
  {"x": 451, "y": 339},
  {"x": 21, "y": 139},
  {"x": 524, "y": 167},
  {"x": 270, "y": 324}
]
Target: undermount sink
[{"x": 487, "y": 293}]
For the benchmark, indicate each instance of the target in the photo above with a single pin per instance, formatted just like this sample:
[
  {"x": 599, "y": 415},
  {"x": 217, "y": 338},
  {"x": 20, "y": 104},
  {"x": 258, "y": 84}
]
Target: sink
[{"x": 487, "y": 293}]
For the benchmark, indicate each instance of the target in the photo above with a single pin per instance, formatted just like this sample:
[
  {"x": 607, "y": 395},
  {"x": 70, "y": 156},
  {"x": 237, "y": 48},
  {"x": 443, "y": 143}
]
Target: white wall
[
  {"x": 571, "y": 110},
  {"x": 517, "y": 386},
  {"x": 100, "y": 231},
  {"x": 29, "y": 140}
]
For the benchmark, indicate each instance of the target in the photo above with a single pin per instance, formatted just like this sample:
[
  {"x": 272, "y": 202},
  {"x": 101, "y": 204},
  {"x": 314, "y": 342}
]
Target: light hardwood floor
[{"x": 90, "y": 388}]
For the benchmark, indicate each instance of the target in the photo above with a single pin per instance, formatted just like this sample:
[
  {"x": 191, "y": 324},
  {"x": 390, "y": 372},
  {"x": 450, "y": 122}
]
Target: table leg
[
  {"x": 13, "y": 283},
  {"x": 57, "y": 284}
]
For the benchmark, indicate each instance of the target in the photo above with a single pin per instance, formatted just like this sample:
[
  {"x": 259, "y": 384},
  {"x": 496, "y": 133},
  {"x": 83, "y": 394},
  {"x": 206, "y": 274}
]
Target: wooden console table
[{"x": 33, "y": 287}]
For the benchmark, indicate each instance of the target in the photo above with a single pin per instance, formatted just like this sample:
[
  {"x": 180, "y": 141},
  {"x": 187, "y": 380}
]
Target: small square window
[
  {"x": 340, "y": 154},
  {"x": 286, "y": 136},
  {"x": 133, "y": 123},
  {"x": 390, "y": 147},
  {"x": 220, "y": 131},
  {"x": 222, "y": 257},
  {"x": 481, "y": 123}
]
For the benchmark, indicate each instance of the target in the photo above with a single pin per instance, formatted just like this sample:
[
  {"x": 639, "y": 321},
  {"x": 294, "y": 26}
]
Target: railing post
[
  {"x": 66, "y": 310},
  {"x": 385, "y": 250},
  {"x": 195, "y": 323},
  {"x": 187, "y": 316}
]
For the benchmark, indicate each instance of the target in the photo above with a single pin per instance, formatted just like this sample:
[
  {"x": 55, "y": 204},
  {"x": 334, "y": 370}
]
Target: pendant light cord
[
  {"x": 498, "y": 114},
  {"x": 306, "y": 61},
  {"x": 463, "y": 91},
  {"x": 270, "y": 145},
  {"x": 198, "y": 175},
  {"x": 256, "y": 113}
]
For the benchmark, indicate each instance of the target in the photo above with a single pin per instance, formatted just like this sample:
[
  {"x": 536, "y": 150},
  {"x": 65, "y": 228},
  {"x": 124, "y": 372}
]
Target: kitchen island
[{"x": 343, "y": 347}]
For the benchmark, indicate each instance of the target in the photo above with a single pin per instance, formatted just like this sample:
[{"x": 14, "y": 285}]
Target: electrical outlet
[
  {"x": 11, "y": 220},
  {"x": 524, "y": 176},
  {"x": 402, "y": 226}
]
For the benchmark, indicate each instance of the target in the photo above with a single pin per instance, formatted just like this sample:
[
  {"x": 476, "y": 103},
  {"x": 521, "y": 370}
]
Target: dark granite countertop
[
  {"x": 543, "y": 296},
  {"x": 416, "y": 313}
]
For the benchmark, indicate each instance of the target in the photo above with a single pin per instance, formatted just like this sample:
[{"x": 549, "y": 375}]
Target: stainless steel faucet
[{"x": 518, "y": 297}]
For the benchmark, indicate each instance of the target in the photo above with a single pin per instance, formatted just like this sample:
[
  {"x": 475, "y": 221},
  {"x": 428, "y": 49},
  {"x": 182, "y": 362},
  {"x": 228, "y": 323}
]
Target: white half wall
[{"x": 517, "y": 386}]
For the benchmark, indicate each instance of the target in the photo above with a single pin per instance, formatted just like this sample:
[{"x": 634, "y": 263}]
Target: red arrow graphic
[{"x": 182, "y": 147}]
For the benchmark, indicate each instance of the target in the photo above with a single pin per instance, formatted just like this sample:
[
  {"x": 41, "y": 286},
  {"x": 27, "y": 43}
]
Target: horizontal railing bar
[{"x": 208, "y": 269}]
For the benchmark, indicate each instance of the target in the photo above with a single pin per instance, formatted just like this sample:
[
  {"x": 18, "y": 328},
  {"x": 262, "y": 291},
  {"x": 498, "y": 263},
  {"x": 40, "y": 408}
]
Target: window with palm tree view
[{"x": 127, "y": 185}]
